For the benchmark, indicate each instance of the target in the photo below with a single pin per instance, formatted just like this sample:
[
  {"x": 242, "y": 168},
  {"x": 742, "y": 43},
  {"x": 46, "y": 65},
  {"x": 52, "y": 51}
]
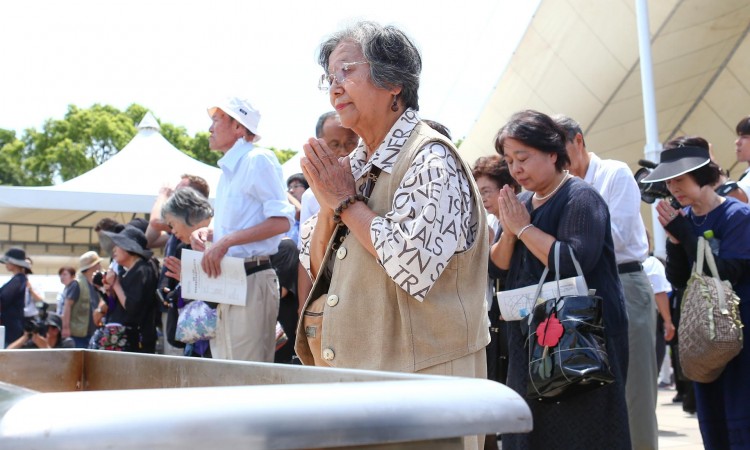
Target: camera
[
  {"x": 726, "y": 188},
  {"x": 38, "y": 323},
  {"x": 650, "y": 192},
  {"x": 35, "y": 326},
  {"x": 41, "y": 307},
  {"x": 98, "y": 279}
]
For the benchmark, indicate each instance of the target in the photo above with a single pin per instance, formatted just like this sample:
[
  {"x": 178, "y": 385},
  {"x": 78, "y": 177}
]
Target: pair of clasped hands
[
  {"x": 329, "y": 176},
  {"x": 513, "y": 215}
]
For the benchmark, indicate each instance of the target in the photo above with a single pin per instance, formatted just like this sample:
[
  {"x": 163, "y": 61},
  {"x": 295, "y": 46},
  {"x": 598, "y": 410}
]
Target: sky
[{"x": 178, "y": 57}]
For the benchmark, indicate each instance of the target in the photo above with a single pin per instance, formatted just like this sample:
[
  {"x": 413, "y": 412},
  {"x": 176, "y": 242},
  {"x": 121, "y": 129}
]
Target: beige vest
[
  {"x": 81, "y": 311},
  {"x": 371, "y": 323}
]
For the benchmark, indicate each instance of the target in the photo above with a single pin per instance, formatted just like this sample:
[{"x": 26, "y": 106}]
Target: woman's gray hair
[
  {"x": 189, "y": 206},
  {"x": 393, "y": 57}
]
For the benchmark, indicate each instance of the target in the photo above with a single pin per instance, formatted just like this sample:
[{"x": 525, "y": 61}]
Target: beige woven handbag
[{"x": 710, "y": 332}]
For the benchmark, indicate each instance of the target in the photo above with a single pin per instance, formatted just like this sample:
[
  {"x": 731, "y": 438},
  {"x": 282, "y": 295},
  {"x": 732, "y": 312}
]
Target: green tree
[
  {"x": 284, "y": 154},
  {"x": 198, "y": 149},
  {"x": 11, "y": 149},
  {"x": 81, "y": 140}
]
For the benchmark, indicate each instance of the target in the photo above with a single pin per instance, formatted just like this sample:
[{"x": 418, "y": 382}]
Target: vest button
[
  {"x": 328, "y": 354},
  {"x": 341, "y": 253},
  {"x": 333, "y": 300}
]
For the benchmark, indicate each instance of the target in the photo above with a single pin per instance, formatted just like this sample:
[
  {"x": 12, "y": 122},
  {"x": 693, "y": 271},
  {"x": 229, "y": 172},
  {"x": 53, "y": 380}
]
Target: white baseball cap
[{"x": 242, "y": 111}]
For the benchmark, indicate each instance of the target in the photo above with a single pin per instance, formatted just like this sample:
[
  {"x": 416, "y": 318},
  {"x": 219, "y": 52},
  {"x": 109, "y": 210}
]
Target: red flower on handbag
[{"x": 549, "y": 332}]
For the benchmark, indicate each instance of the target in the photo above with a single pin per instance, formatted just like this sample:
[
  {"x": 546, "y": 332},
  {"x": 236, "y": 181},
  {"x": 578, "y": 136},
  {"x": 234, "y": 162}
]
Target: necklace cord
[
  {"x": 692, "y": 215},
  {"x": 545, "y": 197}
]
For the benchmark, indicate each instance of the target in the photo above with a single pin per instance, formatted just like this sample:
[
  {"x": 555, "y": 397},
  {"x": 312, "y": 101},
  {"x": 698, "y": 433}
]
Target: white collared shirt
[
  {"x": 251, "y": 189},
  {"x": 618, "y": 187},
  {"x": 744, "y": 182},
  {"x": 309, "y": 206},
  {"x": 416, "y": 239},
  {"x": 656, "y": 274}
]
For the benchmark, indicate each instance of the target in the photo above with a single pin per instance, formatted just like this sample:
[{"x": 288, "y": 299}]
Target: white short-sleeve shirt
[{"x": 251, "y": 189}]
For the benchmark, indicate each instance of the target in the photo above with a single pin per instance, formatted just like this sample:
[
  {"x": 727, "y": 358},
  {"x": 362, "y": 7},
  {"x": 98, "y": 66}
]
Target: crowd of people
[{"x": 388, "y": 251}]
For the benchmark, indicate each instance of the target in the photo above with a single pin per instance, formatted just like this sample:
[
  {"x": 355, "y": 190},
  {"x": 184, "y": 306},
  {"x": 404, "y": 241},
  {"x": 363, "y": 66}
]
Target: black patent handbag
[{"x": 566, "y": 343}]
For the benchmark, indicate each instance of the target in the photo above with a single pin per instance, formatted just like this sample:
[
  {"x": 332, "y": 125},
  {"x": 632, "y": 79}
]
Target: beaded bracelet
[
  {"x": 345, "y": 204},
  {"x": 520, "y": 232}
]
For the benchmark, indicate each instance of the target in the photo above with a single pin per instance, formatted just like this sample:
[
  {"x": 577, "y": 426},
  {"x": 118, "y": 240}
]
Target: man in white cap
[{"x": 251, "y": 214}]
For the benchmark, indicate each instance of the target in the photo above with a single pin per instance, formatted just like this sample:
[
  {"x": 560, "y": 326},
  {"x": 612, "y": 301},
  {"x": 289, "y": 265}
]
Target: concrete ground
[{"x": 677, "y": 429}]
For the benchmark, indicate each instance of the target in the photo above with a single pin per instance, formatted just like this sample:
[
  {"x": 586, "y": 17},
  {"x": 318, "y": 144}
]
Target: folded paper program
[{"x": 518, "y": 303}]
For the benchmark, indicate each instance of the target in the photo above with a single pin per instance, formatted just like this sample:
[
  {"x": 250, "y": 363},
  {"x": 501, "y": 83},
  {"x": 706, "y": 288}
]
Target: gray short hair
[
  {"x": 393, "y": 57},
  {"x": 189, "y": 206},
  {"x": 321, "y": 123},
  {"x": 568, "y": 124}
]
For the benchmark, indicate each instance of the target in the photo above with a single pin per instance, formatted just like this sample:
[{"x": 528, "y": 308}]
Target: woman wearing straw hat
[
  {"x": 13, "y": 294},
  {"x": 80, "y": 300},
  {"x": 689, "y": 173},
  {"x": 134, "y": 289}
]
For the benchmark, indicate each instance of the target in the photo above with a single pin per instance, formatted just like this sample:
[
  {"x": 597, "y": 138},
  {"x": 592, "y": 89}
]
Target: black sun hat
[
  {"x": 130, "y": 239},
  {"x": 54, "y": 320},
  {"x": 678, "y": 161},
  {"x": 16, "y": 256}
]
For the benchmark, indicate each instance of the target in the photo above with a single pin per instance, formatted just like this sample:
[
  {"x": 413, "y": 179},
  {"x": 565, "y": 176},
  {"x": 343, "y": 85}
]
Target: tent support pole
[
  {"x": 86, "y": 216},
  {"x": 653, "y": 147}
]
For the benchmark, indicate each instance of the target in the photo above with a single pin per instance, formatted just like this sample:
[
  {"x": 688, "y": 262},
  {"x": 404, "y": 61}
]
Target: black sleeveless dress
[{"x": 579, "y": 218}]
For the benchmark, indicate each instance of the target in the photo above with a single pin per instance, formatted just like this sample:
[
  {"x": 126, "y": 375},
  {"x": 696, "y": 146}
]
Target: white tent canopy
[
  {"x": 292, "y": 166},
  {"x": 581, "y": 58},
  {"x": 128, "y": 181},
  {"x": 58, "y": 220}
]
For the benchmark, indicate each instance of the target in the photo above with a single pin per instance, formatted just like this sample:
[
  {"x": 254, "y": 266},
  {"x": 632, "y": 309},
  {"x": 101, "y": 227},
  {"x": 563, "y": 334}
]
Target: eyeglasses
[
  {"x": 338, "y": 146},
  {"x": 488, "y": 192},
  {"x": 295, "y": 186},
  {"x": 326, "y": 80}
]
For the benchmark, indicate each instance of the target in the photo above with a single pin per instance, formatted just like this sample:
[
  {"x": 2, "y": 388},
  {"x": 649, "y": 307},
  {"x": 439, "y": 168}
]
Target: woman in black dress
[
  {"x": 134, "y": 288},
  {"x": 13, "y": 294},
  {"x": 557, "y": 207}
]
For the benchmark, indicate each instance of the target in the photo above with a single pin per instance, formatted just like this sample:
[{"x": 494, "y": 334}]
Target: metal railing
[{"x": 129, "y": 401}]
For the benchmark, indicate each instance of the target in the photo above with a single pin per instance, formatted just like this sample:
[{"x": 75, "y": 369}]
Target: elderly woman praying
[{"x": 398, "y": 254}]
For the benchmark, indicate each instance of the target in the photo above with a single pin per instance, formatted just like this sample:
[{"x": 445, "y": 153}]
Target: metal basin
[{"x": 72, "y": 399}]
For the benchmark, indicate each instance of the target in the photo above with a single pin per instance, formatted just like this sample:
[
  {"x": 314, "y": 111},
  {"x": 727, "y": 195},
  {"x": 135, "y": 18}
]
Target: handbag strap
[
  {"x": 556, "y": 249},
  {"x": 698, "y": 266},
  {"x": 704, "y": 252}
]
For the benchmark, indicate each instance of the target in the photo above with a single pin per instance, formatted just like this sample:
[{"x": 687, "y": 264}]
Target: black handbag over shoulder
[{"x": 566, "y": 343}]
